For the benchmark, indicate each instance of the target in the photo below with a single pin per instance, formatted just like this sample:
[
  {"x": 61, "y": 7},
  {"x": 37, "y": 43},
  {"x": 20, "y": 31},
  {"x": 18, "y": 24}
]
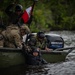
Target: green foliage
[{"x": 48, "y": 14}]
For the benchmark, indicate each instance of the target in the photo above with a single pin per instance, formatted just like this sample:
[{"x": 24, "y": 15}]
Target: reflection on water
[
  {"x": 62, "y": 68},
  {"x": 25, "y": 70}
]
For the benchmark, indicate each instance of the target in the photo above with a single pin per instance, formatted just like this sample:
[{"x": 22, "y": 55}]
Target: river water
[{"x": 66, "y": 68}]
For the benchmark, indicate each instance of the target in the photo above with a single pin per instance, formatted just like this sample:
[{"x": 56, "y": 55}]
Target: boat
[
  {"x": 13, "y": 56},
  {"x": 54, "y": 40}
]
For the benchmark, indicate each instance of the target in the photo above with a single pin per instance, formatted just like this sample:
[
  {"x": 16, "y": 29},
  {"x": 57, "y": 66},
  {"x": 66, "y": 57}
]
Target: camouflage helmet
[
  {"x": 40, "y": 35},
  {"x": 25, "y": 28},
  {"x": 31, "y": 41},
  {"x": 18, "y": 7}
]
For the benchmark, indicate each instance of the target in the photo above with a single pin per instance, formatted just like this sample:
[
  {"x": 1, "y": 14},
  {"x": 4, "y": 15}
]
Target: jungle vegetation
[{"x": 47, "y": 14}]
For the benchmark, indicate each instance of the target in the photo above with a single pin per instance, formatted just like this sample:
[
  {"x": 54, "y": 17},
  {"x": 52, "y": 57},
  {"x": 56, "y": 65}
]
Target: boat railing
[
  {"x": 66, "y": 48},
  {"x": 60, "y": 50},
  {"x": 10, "y": 50}
]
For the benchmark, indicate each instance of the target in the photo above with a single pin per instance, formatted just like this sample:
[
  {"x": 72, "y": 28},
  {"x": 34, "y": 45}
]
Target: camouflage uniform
[
  {"x": 25, "y": 28},
  {"x": 13, "y": 16},
  {"x": 12, "y": 36},
  {"x": 42, "y": 44},
  {"x": 24, "y": 31}
]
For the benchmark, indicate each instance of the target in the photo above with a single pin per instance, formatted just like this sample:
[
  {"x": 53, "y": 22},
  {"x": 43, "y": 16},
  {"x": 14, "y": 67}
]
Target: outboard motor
[{"x": 54, "y": 41}]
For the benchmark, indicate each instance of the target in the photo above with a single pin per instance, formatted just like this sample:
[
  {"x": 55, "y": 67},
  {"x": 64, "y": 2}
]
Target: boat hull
[
  {"x": 11, "y": 57},
  {"x": 54, "y": 57},
  {"x": 8, "y": 59}
]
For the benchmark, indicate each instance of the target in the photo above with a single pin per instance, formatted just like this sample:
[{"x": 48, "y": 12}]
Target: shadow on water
[
  {"x": 14, "y": 70},
  {"x": 24, "y": 70},
  {"x": 62, "y": 68}
]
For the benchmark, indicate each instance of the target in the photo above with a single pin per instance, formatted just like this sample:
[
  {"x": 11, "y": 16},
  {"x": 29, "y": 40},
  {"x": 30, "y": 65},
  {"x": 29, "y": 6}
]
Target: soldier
[
  {"x": 11, "y": 35},
  {"x": 33, "y": 57},
  {"x": 14, "y": 38},
  {"x": 14, "y": 16},
  {"x": 42, "y": 41},
  {"x": 32, "y": 53},
  {"x": 24, "y": 31},
  {"x": 31, "y": 42}
]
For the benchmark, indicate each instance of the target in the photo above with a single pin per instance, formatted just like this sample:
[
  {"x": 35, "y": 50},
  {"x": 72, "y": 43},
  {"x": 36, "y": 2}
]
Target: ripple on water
[
  {"x": 66, "y": 68},
  {"x": 71, "y": 56}
]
